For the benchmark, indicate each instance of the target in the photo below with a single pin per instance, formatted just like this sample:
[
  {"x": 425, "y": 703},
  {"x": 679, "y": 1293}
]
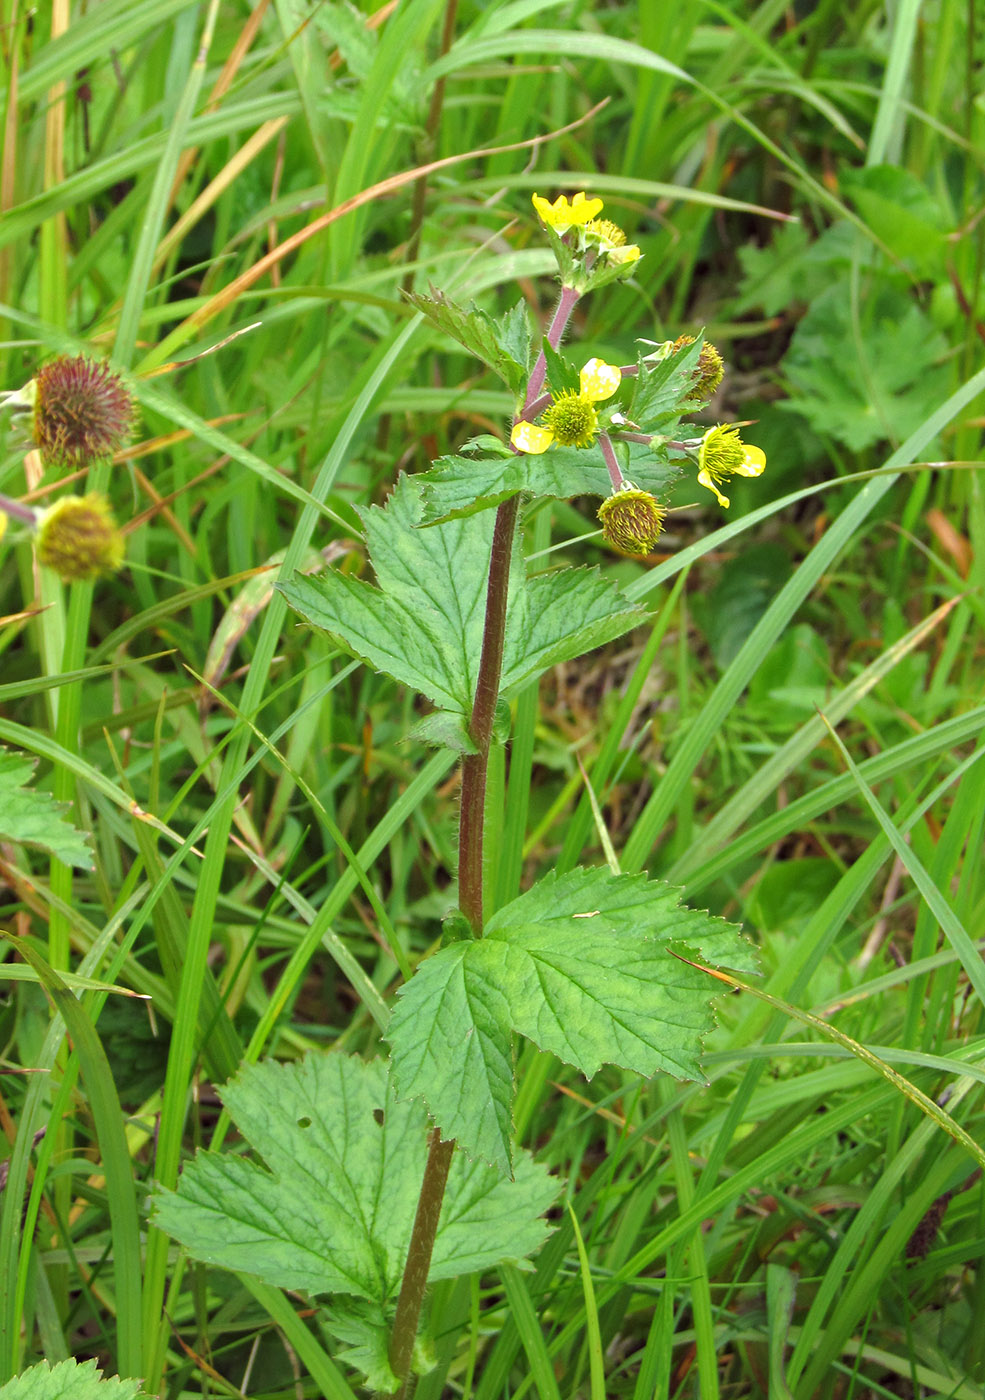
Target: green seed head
[
  {"x": 709, "y": 373},
  {"x": 572, "y": 419},
  {"x": 82, "y": 411},
  {"x": 78, "y": 538},
  {"x": 631, "y": 521}
]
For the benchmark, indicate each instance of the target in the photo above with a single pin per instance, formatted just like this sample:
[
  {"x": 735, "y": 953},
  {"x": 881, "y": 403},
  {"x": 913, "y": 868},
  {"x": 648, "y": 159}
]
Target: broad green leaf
[
  {"x": 561, "y": 373},
  {"x": 660, "y": 395},
  {"x": 495, "y": 343},
  {"x": 457, "y": 486},
  {"x": 584, "y": 965},
  {"x": 363, "y": 1328},
  {"x": 68, "y": 1380},
  {"x": 423, "y": 624},
  {"x": 35, "y": 818},
  {"x": 332, "y": 1210},
  {"x": 868, "y": 382}
]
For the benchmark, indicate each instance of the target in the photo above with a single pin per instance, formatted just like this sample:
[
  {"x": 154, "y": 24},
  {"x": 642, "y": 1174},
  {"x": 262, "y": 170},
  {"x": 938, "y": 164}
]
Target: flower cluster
[
  {"x": 571, "y": 420},
  {"x": 591, "y": 251}
]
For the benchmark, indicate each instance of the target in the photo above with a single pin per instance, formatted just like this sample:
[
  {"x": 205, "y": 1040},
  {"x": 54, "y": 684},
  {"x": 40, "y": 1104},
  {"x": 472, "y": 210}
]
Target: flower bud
[
  {"x": 82, "y": 411},
  {"x": 710, "y": 370},
  {"x": 631, "y": 521},
  {"x": 78, "y": 538}
]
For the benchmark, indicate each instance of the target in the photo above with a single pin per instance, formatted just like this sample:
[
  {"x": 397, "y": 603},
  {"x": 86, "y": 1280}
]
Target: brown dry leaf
[{"x": 951, "y": 540}]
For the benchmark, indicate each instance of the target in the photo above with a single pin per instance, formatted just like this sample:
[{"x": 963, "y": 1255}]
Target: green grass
[{"x": 221, "y": 199}]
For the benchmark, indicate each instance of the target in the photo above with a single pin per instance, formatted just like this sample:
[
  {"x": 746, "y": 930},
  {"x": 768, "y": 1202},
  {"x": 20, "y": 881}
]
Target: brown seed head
[{"x": 82, "y": 411}]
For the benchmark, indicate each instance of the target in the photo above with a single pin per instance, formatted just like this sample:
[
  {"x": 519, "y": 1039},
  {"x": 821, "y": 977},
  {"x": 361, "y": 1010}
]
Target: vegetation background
[{"x": 227, "y": 198}]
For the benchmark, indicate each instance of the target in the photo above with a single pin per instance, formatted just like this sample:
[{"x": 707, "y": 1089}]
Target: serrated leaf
[
  {"x": 513, "y": 334},
  {"x": 333, "y": 1209},
  {"x": 363, "y": 1329},
  {"x": 68, "y": 1380},
  {"x": 35, "y": 818},
  {"x": 662, "y": 388},
  {"x": 865, "y": 389},
  {"x": 583, "y": 965},
  {"x": 474, "y": 329},
  {"x": 423, "y": 625},
  {"x": 561, "y": 373},
  {"x": 459, "y": 486},
  {"x": 445, "y": 729}
]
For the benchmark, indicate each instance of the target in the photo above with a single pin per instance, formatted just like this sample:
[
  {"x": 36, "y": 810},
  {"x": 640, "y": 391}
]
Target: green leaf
[
  {"x": 868, "y": 383},
  {"x": 423, "y": 624},
  {"x": 778, "y": 275},
  {"x": 496, "y": 343},
  {"x": 561, "y": 373},
  {"x": 363, "y": 1329},
  {"x": 583, "y": 965},
  {"x": 458, "y": 486},
  {"x": 68, "y": 1380},
  {"x": 904, "y": 215},
  {"x": 332, "y": 1211},
  {"x": 662, "y": 387},
  {"x": 35, "y": 818}
]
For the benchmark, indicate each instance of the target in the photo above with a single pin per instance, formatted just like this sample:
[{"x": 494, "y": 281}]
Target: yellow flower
[
  {"x": 571, "y": 419},
  {"x": 611, "y": 242},
  {"x": 3, "y": 524},
  {"x": 561, "y": 215},
  {"x": 723, "y": 454}
]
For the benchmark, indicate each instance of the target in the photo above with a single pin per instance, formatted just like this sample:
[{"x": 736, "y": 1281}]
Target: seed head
[
  {"x": 631, "y": 521},
  {"x": 79, "y": 539},
  {"x": 82, "y": 411},
  {"x": 710, "y": 370}
]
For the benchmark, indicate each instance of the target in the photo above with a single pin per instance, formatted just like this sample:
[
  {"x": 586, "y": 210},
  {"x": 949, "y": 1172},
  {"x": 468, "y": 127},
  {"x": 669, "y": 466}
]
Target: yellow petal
[
  {"x": 561, "y": 215},
  {"x": 583, "y": 208},
  {"x": 628, "y": 253},
  {"x": 599, "y": 381},
  {"x": 527, "y": 437},
  {"x": 705, "y": 480},
  {"x": 753, "y": 461}
]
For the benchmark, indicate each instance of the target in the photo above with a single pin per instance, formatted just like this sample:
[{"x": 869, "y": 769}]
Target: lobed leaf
[
  {"x": 423, "y": 624},
  {"x": 458, "y": 486},
  {"x": 332, "y": 1210},
  {"x": 588, "y": 965},
  {"x": 502, "y": 345},
  {"x": 68, "y": 1380},
  {"x": 35, "y": 818}
]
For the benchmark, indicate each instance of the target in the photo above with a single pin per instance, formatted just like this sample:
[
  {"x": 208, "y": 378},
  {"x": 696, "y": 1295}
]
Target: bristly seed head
[
  {"x": 631, "y": 521},
  {"x": 83, "y": 412},
  {"x": 710, "y": 370},
  {"x": 79, "y": 539}
]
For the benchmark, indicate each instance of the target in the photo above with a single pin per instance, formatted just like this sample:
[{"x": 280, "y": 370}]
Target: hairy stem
[
  {"x": 17, "y": 511},
  {"x": 414, "y": 1282},
  {"x": 474, "y": 766},
  {"x": 612, "y": 466},
  {"x": 569, "y": 299},
  {"x": 470, "y": 862}
]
